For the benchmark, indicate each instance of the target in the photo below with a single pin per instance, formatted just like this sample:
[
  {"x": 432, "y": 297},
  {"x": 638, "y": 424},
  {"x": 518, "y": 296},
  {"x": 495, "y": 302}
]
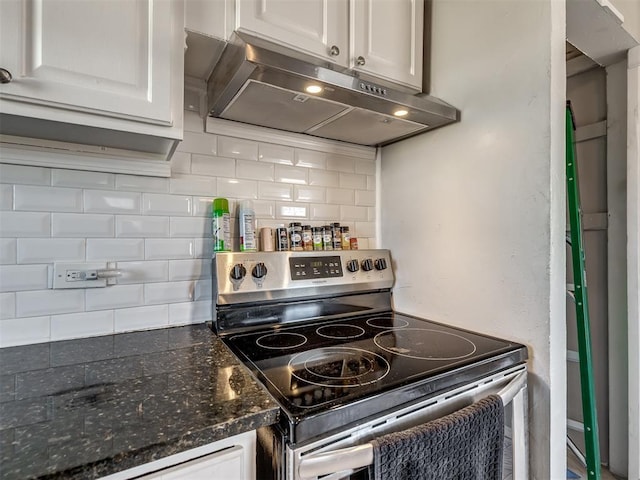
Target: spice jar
[
  {"x": 317, "y": 238},
  {"x": 307, "y": 238},
  {"x": 295, "y": 236},
  {"x": 346, "y": 238},
  {"x": 353, "y": 243},
  {"x": 336, "y": 236},
  {"x": 327, "y": 238},
  {"x": 282, "y": 239}
]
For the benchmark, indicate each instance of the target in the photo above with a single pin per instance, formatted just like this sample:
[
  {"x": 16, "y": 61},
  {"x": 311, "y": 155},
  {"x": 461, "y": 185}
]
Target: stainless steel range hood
[{"x": 265, "y": 85}]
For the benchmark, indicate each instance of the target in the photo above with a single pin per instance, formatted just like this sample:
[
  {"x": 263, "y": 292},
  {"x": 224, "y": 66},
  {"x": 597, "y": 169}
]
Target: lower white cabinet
[{"x": 233, "y": 458}]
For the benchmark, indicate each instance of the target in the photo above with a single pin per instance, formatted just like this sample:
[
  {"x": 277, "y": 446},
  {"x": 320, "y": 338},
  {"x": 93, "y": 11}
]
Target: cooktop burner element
[
  {"x": 281, "y": 340},
  {"x": 425, "y": 344},
  {"x": 387, "y": 322},
  {"x": 340, "y": 331}
]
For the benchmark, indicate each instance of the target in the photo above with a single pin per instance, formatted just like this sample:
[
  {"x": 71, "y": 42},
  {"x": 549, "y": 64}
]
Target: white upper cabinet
[
  {"x": 387, "y": 39},
  {"x": 316, "y": 27},
  {"x": 104, "y": 56},
  {"x": 381, "y": 38}
]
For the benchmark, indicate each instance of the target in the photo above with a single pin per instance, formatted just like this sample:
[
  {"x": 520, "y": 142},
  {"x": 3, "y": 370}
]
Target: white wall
[
  {"x": 157, "y": 229},
  {"x": 633, "y": 262},
  {"x": 474, "y": 213}
]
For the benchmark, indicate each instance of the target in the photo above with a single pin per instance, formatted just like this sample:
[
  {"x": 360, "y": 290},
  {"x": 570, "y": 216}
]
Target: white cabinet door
[
  {"x": 110, "y": 57},
  {"x": 387, "y": 39},
  {"x": 317, "y": 27},
  {"x": 227, "y": 464}
]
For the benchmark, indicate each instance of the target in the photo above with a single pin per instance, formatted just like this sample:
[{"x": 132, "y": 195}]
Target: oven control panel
[{"x": 245, "y": 276}]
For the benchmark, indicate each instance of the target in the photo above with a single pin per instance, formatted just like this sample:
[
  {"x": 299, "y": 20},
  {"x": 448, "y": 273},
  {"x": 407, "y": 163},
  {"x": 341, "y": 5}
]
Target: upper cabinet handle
[
  {"x": 360, "y": 61},
  {"x": 5, "y": 76},
  {"x": 334, "y": 51}
]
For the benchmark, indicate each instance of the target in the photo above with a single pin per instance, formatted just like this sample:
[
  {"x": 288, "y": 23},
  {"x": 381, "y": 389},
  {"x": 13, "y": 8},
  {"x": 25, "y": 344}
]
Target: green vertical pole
[{"x": 589, "y": 414}]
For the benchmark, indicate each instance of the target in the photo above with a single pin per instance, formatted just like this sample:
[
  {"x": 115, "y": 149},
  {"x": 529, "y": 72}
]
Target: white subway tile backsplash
[
  {"x": 109, "y": 250},
  {"x": 24, "y": 224},
  {"x": 264, "y": 208},
  {"x": 275, "y": 191},
  {"x": 324, "y": 212},
  {"x": 143, "y": 272},
  {"x": 286, "y": 210},
  {"x": 371, "y": 214},
  {"x": 24, "y": 331},
  {"x": 16, "y": 278},
  {"x": 141, "y": 318},
  {"x": 6, "y": 197},
  {"x": 365, "y": 198},
  {"x": 158, "y": 204},
  {"x": 341, "y": 196},
  {"x": 371, "y": 182},
  {"x": 117, "y": 296},
  {"x": 202, "y": 206},
  {"x": 171, "y": 292},
  {"x": 8, "y": 251},
  {"x": 286, "y": 174},
  {"x": 303, "y": 193},
  {"x": 167, "y": 249},
  {"x": 180, "y": 163},
  {"x": 275, "y": 154},
  {"x": 81, "y": 179},
  {"x": 323, "y": 178},
  {"x": 365, "y": 229},
  {"x": 7, "y": 305},
  {"x": 198, "y": 143},
  {"x": 50, "y": 199},
  {"x": 203, "y": 290},
  {"x": 250, "y": 170},
  {"x": 353, "y": 213},
  {"x": 191, "y": 312},
  {"x": 49, "y": 250},
  {"x": 76, "y": 325},
  {"x": 231, "y": 187},
  {"x": 213, "y": 166},
  {"x": 203, "y": 248},
  {"x": 311, "y": 159},
  {"x": 193, "y": 185},
  {"x": 237, "y": 148},
  {"x": 82, "y": 225},
  {"x": 366, "y": 167},
  {"x": 22, "y": 175},
  {"x": 136, "y": 183},
  {"x": 190, "y": 227},
  {"x": 352, "y": 180},
  {"x": 103, "y": 201},
  {"x": 190, "y": 269},
  {"x": 137, "y": 226},
  {"x": 49, "y": 302},
  {"x": 341, "y": 163}
]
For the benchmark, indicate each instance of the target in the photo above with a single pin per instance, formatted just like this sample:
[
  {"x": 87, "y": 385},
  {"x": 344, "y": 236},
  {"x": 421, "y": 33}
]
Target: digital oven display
[{"x": 304, "y": 268}]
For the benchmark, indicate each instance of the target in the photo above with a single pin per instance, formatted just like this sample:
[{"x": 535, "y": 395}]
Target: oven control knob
[
  {"x": 259, "y": 271},
  {"x": 381, "y": 264},
  {"x": 367, "y": 265},
  {"x": 352, "y": 266},
  {"x": 238, "y": 272}
]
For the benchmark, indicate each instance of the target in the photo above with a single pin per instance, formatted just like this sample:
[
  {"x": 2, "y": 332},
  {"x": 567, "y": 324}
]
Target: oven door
[{"x": 347, "y": 455}]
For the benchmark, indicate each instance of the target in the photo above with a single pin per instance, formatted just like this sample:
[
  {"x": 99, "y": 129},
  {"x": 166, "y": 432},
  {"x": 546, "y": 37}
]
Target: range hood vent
[{"x": 269, "y": 86}]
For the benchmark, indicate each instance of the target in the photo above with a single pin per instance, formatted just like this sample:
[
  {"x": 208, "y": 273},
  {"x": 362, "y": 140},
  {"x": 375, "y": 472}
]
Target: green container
[{"x": 221, "y": 225}]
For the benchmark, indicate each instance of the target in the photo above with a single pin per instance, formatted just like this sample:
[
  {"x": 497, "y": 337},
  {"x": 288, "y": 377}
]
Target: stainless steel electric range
[{"x": 319, "y": 331}]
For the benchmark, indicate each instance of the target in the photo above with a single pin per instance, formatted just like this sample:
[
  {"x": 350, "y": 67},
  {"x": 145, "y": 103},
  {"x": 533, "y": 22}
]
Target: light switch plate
[{"x": 77, "y": 275}]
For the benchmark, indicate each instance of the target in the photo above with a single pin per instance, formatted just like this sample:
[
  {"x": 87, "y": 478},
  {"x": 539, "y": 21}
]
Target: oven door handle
[{"x": 325, "y": 463}]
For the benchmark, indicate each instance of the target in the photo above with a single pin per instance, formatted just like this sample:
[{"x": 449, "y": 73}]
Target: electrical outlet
[{"x": 78, "y": 275}]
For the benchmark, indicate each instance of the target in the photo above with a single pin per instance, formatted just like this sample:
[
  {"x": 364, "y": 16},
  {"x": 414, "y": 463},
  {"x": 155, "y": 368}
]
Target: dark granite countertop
[{"x": 95, "y": 406}]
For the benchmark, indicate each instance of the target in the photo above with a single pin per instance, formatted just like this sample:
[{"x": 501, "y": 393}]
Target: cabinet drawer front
[{"x": 103, "y": 56}]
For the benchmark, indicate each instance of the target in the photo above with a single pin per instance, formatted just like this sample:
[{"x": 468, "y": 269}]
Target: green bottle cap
[{"x": 221, "y": 204}]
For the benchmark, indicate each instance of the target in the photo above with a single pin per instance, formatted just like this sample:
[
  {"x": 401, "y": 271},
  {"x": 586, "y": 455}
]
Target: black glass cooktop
[{"x": 320, "y": 366}]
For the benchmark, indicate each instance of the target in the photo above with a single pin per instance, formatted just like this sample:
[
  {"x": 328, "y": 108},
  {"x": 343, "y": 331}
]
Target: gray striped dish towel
[{"x": 464, "y": 445}]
